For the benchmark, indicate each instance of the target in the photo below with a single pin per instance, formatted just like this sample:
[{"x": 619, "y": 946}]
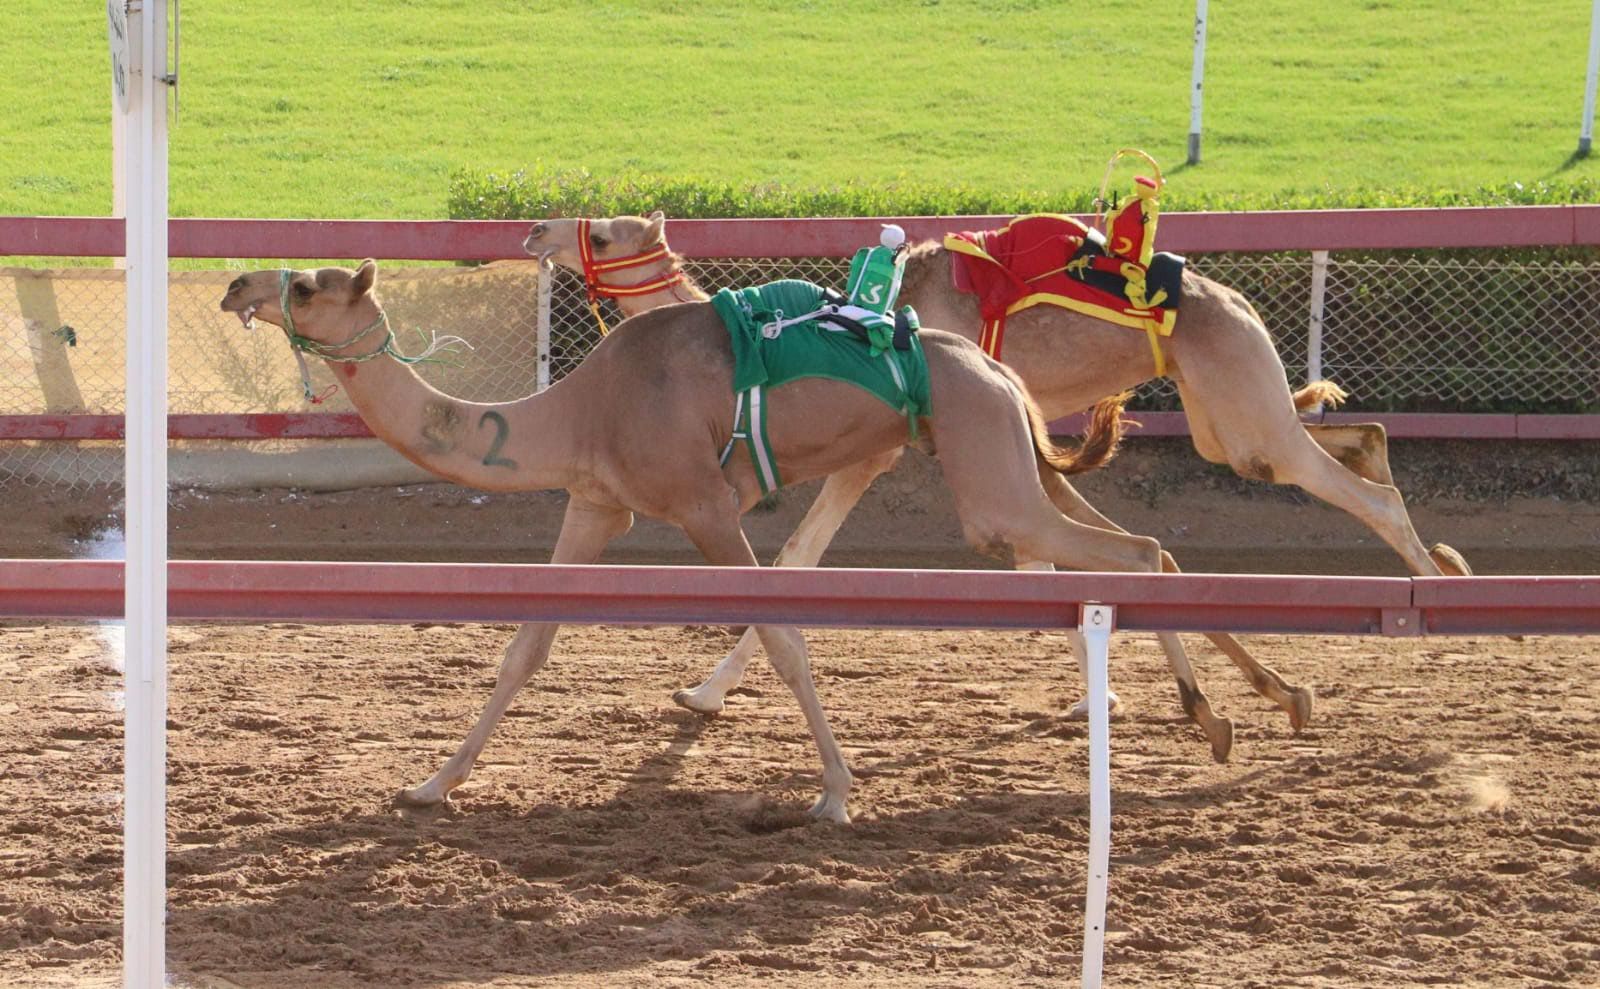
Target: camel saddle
[
  {"x": 790, "y": 329},
  {"x": 1050, "y": 258}
]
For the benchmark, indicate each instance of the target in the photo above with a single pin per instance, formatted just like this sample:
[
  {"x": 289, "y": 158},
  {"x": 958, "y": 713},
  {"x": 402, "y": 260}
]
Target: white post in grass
[
  {"x": 1095, "y": 622},
  {"x": 144, "y": 850},
  {"x": 1197, "y": 81},
  {"x": 1586, "y": 133}
]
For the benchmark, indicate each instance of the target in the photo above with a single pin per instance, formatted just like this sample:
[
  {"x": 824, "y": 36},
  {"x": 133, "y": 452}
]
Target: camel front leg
[
  {"x": 585, "y": 531},
  {"x": 839, "y": 495},
  {"x": 722, "y": 542}
]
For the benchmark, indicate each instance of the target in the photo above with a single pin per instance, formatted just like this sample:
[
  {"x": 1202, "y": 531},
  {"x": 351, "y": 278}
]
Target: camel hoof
[
  {"x": 692, "y": 701},
  {"x": 1301, "y": 700},
  {"x": 830, "y": 808},
  {"x": 1221, "y": 737},
  {"x": 1080, "y": 710},
  {"x": 1448, "y": 560},
  {"x": 426, "y": 795}
]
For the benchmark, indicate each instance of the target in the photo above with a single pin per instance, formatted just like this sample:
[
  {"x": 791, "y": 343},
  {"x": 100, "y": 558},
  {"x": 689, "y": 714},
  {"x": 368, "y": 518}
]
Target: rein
[
  {"x": 593, "y": 269},
  {"x": 305, "y": 345}
]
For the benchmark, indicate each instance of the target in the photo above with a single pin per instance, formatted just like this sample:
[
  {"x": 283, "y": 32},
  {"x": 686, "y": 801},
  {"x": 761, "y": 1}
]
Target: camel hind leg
[
  {"x": 1297, "y": 702},
  {"x": 716, "y": 533}
]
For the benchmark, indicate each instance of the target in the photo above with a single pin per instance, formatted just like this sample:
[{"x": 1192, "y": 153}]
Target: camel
[
  {"x": 639, "y": 426},
  {"x": 1234, "y": 391}
]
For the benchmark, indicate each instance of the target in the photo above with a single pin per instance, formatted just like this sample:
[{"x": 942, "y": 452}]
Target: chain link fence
[{"x": 1471, "y": 335}]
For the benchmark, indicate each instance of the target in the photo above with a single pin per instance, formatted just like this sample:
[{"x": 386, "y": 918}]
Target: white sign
[{"x": 117, "y": 18}]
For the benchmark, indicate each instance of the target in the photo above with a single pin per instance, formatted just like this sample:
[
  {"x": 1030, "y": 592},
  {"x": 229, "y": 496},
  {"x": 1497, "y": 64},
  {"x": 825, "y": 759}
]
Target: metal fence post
[
  {"x": 1094, "y": 623},
  {"x": 1319, "y": 293},
  {"x": 547, "y": 272},
  {"x": 1198, "y": 78}
]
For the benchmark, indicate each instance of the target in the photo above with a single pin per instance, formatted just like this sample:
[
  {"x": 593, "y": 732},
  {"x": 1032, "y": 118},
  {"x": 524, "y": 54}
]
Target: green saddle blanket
[{"x": 780, "y": 334}]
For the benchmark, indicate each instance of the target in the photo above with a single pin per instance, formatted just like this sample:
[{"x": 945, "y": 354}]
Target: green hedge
[{"x": 541, "y": 192}]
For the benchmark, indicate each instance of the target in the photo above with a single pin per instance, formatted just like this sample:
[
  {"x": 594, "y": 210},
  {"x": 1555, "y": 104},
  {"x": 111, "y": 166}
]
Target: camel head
[
  {"x": 324, "y": 304},
  {"x": 618, "y": 237}
]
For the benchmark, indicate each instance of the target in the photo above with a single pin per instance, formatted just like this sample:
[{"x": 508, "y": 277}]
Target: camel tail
[
  {"x": 1100, "y": 439},
  {"x": 1319, "y": 393}
]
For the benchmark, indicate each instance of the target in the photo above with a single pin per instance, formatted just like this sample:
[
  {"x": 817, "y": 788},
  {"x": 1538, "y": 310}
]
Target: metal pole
[
  {"x": 547, "y": 272},
  {"x": 1586, "y": 133},
  {"x": 145, "y": 453},
  {"x": 1095, "y": 622},
  {"x": 1197, "y": 81},
  {"x": 1319, "y": 294}
]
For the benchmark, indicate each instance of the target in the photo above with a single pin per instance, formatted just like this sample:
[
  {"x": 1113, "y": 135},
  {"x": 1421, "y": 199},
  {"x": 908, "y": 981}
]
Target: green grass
[{"x": 364, "y": 108}]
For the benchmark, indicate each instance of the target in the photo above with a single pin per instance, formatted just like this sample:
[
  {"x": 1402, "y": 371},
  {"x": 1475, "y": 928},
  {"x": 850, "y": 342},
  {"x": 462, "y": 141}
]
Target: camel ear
[
  {"x": 653, "y": 232},
  {"x": 366, "y": 276}
]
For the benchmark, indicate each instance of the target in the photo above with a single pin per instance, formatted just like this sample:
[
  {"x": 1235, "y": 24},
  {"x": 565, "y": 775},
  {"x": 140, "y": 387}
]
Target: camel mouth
[{"x": 247, "y": 316}]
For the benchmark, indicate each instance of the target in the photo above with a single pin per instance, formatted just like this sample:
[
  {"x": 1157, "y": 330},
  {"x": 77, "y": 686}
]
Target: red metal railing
[{"x": 397, "y": 592}]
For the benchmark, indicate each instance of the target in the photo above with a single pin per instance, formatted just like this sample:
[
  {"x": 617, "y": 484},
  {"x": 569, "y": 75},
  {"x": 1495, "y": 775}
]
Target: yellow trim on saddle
[{"x": 1154, "y": 329}]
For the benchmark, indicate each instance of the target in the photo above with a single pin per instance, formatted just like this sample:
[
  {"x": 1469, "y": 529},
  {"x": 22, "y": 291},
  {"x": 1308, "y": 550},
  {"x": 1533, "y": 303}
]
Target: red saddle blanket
[{"x": 1049, "y": 258}]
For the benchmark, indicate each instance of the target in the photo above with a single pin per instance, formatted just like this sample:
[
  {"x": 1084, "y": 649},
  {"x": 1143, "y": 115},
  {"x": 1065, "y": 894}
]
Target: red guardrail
[
  {"x": 487, "y": 240},
  {"x": 396, "y": 592}
]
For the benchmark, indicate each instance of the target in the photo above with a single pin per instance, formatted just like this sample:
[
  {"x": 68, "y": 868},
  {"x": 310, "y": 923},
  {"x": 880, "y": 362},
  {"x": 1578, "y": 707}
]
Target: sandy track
[{"x": 1439, "y": 822}]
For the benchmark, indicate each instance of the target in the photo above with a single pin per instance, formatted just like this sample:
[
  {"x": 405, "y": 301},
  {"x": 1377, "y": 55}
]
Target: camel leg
[
  {"x": 585, "y": 531},
  {"x": 1363, "y": 447},
  {"x": 1263, "y": 446},
  {"x": 1297, "y": 702},
  {"x": 995, "y": 477},
  {"x": 838, "y": 496},
  {"x": 720, "y": 539}
]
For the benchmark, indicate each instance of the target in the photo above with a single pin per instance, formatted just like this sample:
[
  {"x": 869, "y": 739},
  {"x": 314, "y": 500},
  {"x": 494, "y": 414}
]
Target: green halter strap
[{"x": 305, "y": 345}]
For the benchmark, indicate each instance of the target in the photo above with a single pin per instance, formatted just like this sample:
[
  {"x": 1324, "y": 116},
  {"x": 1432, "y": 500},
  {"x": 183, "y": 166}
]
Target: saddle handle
[{"x": 1101, "y": 202}]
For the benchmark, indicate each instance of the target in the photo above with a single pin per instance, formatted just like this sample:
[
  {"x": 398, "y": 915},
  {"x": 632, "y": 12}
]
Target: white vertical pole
[
  {"x": 1197, "y": 80},
  {"x": 1586, "y": 133},
  {"x": 1095, "y": 622},
  {"x": 542, "y": 327},
  {"x": 1319, "y": 295},
  {"x": 145, "y": 588}
]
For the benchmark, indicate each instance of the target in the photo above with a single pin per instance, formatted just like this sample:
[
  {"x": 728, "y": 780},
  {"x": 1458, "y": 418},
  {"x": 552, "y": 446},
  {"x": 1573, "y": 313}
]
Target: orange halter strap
[{"x": 593, "y": 269}]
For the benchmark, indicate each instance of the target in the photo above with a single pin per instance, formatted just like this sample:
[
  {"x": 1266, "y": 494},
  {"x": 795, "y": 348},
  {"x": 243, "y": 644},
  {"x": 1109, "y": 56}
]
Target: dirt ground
[{"x": 1437, "y": 823}]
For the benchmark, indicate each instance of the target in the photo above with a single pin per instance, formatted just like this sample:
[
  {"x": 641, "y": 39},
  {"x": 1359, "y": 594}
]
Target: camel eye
[
  {"x": 302, "y": 291},
  {"x": 598, "y": 242}
]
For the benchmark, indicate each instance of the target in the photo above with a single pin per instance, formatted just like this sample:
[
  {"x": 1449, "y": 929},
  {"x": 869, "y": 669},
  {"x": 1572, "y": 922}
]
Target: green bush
[{"x": 541, "y": 192}]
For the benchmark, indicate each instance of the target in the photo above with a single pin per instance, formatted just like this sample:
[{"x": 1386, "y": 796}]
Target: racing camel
[
  {"x": 639, "y": 427},
  {"x": 1221, "y": 357}
]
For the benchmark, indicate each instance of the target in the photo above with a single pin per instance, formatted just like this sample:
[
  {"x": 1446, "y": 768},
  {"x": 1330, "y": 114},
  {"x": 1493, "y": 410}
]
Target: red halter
[{"x": 593, "y": 269}]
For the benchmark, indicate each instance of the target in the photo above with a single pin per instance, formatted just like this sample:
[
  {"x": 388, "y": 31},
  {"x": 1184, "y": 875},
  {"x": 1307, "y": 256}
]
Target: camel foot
[
  {"x": 1080, "y": 710},
  {"x": 429, "y": 794},
  {"x": 1219, "y": 732},
  {"x": 1301, "y": 700},
  {"x": 699, "y": 700},
  {"x": 830, "y": 807},
  {"x": 1448, "y": 560}
]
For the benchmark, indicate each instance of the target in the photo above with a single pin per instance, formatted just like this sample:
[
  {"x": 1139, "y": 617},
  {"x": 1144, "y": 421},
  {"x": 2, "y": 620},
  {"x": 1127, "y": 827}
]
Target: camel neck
[
  {"x": 532, "y": 443},
  {"x": 684, "y": 290}
]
